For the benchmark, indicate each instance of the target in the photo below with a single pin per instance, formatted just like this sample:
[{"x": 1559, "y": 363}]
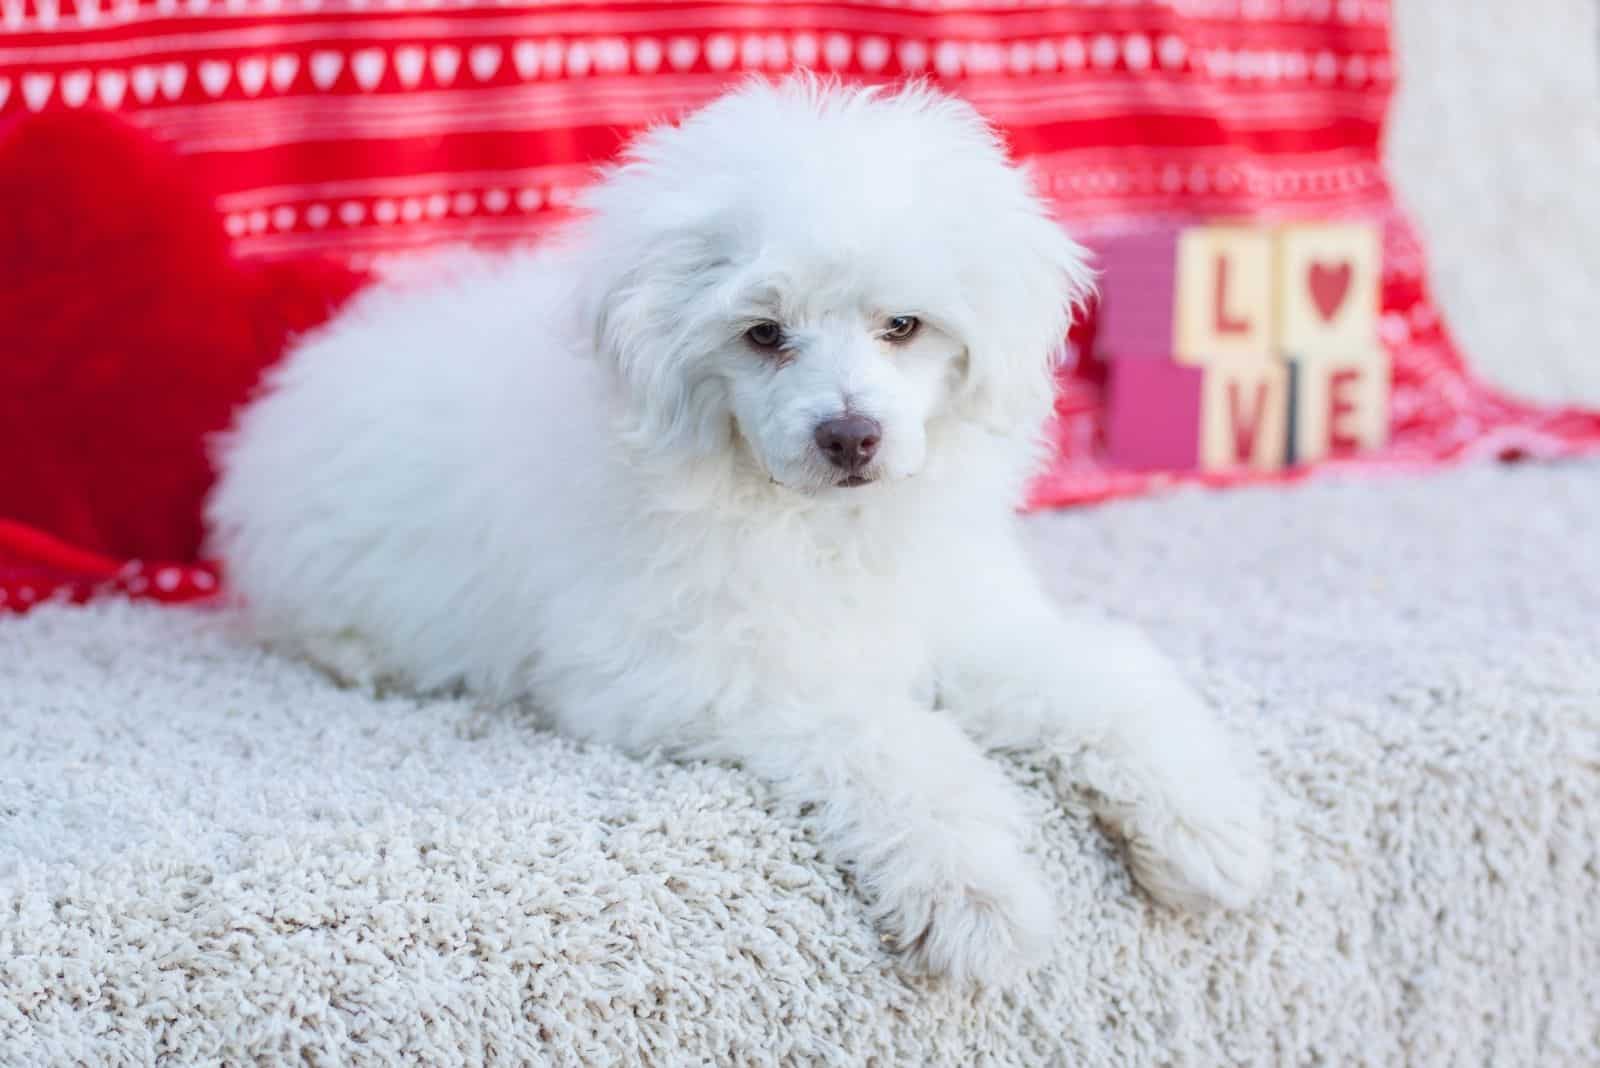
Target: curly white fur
[{"x": 570, "y": 476}]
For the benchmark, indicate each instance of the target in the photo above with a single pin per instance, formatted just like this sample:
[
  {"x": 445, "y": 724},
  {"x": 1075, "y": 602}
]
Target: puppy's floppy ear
[
  {"x": 646, "y": 273},
  {"x": 1022, "y": 277},
  {"x": 1023, "y": 300}
]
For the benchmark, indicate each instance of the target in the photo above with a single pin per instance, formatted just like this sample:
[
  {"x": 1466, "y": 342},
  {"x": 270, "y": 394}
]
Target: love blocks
[{"x": 1243, "y": 346}]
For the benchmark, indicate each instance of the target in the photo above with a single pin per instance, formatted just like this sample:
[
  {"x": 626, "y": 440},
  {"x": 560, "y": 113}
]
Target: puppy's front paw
[
  {"x": 1166, "y": 778},
  {"x": 984, "y": 917},
  {"x": 1200, "y": 853}
]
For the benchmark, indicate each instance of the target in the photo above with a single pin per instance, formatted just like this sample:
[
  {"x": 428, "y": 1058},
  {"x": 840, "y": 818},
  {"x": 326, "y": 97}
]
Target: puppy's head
[{"x": 822, "y": 277}]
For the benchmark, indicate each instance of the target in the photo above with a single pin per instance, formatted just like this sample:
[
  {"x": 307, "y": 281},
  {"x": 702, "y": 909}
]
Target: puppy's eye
[
  {"x": 901, "y": 327},
  {"x": 765, "y": 335}
]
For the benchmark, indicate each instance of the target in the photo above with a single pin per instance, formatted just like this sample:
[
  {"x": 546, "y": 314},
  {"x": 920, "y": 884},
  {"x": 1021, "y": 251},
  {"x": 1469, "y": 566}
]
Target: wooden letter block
[
  {"x": 1340, "y": 405},
  {"x": 1328, "y": 289},
  {"x": 1153, "y": 415},
  {"x": 1244, "y": 414},
  {"x": 1225, "y": 302},
  {"x": 1138, "y": 278}
]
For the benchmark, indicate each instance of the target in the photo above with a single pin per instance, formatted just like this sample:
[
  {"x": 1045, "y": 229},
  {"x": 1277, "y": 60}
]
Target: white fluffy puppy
[{"x": 731, "y": 472}]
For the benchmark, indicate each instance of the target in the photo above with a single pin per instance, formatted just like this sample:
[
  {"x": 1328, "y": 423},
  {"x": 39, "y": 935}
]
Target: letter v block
[
  {"x": 1244, "y": 414},
  {"x": 1225, "y": 299}
]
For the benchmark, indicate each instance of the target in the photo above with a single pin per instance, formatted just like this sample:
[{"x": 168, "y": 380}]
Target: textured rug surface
[{"x": 210, "y": 853}]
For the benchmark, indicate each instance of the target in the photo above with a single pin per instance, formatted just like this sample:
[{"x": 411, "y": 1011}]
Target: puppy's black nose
[{"x": 849, "y": 441}]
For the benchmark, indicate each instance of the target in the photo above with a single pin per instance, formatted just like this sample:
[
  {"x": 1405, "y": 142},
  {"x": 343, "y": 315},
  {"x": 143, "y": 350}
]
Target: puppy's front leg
[
  {"x": 930, "y": 827},
  {"x": 1114, "y": 711}
]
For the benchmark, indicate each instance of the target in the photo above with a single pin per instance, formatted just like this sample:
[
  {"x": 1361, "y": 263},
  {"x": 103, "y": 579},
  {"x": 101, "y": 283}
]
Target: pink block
[
  {"x": 1138, "y": 294},
  {"x": 1153, "y": 415}
]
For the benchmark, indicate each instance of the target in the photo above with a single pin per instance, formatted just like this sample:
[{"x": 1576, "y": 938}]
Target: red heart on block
[
  {"x": 1329, "y": 287},
  {"x": 128, "y": 334}
]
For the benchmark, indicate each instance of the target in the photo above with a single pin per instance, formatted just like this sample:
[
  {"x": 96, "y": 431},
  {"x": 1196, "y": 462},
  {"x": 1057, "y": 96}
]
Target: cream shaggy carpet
[{"x": 211, "y": 855}]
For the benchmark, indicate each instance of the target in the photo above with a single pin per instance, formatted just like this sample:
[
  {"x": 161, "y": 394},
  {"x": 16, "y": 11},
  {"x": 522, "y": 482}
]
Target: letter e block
[
  {"x": 1244, "y": 414},
  {"x": 1340, "y": 406},
  {"x": 1225, "y": 301},
  {"x": 1328, "y": 289}
]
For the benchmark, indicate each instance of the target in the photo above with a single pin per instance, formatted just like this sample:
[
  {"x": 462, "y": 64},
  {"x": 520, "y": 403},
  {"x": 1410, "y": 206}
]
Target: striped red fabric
[
  {"x": 372, "y": 127},
  {"x": 375, "y": 128}
]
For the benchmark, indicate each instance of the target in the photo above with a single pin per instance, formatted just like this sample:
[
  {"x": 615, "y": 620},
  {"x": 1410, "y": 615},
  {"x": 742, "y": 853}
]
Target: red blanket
[{"x": 364, "y": 129}]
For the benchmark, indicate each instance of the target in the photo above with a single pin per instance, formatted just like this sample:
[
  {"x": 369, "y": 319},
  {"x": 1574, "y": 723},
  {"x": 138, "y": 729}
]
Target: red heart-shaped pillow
[{"x": 128, "y": 333}]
